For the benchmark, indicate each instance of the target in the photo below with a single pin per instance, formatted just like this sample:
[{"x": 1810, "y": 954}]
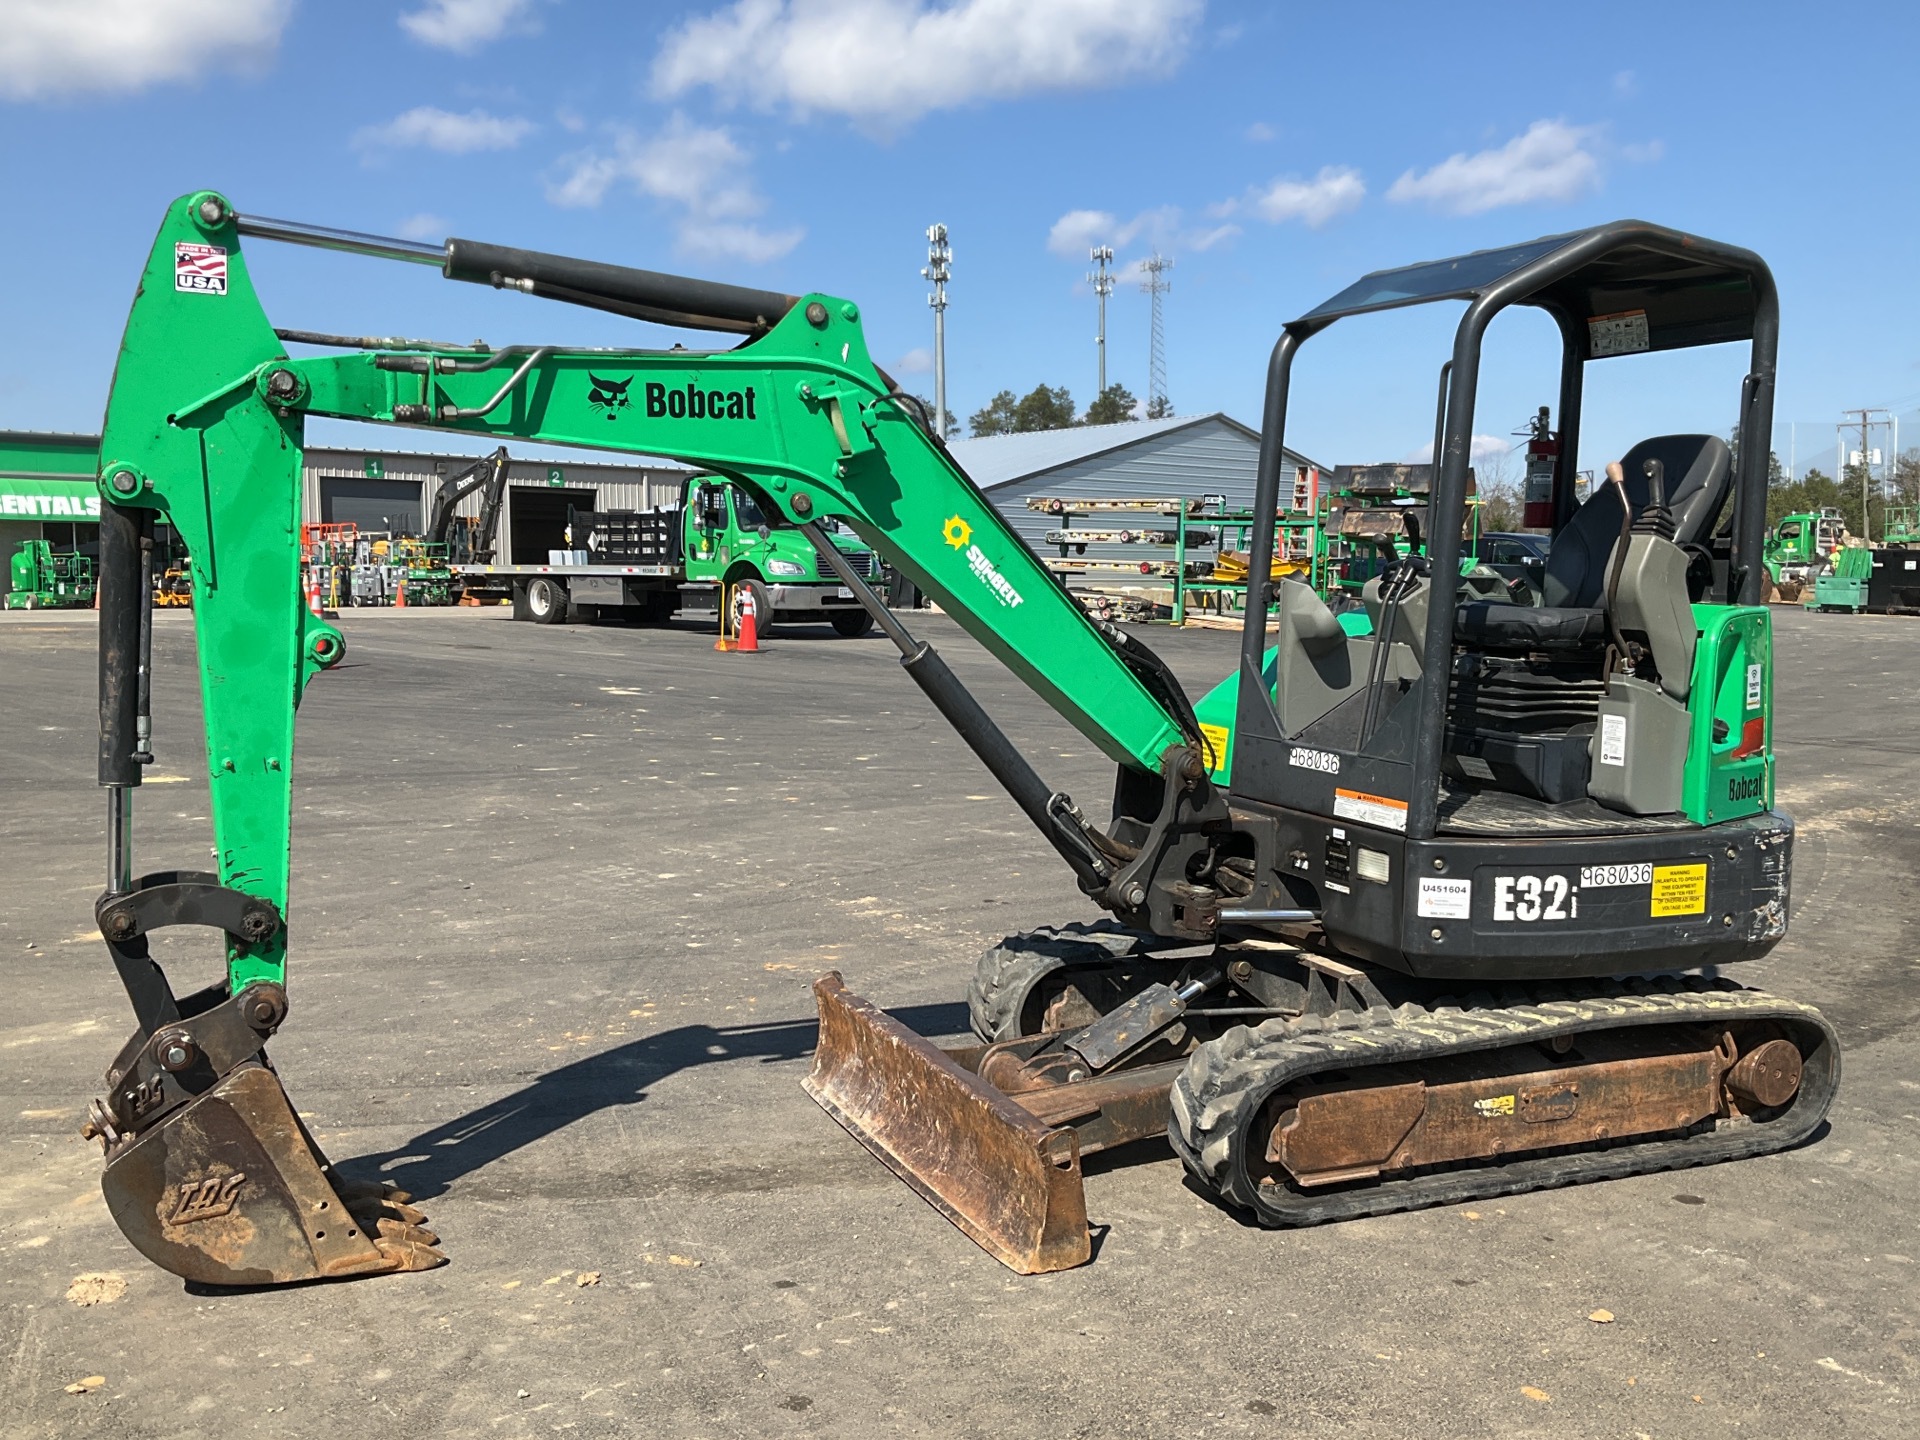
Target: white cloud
[
  {"x": 701, "y": 170},
  {"x": 917, "y": 361},
  {"x": 1552, "y": 161},
  {"x": 1260, "y": 132},
  {"x": 424, "y": 226},
  {"x": 1484, "y": 450},
  {"x": 70, "y": 47},
  {"x": 888, "y": 62},
  {"x": 1078, "y": 231},
  {"x": 1334, "y": 191},
  {"x": 1165, "y": 228},
  {"x": 463, "y": 26},
  {"x": 425, "y": 127}
]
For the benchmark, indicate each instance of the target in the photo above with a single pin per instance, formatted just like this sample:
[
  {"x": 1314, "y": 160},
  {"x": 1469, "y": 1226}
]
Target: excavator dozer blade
[
  {"x": 229, "y": 1189},
  {"x": 1010, "y": 1181}
]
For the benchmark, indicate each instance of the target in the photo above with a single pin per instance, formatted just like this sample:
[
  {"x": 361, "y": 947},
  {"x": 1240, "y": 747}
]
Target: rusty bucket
[
  {"x": 1010, "y": 1181},
  {"x": 229, "y": 1189}
]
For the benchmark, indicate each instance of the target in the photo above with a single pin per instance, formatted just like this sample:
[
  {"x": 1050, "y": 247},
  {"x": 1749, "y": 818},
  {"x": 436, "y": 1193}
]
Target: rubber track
[
  {"x": 1004, "y": 977},
  {"x": 1216, "y": 1100}
]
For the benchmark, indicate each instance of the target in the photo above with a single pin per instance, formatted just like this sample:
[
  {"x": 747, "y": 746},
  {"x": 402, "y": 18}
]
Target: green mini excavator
[{"x": 1426, "y": 913}]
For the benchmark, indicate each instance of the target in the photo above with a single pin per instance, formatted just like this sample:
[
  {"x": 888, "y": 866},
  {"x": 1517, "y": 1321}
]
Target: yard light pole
[{"x": 938, "y": 270}]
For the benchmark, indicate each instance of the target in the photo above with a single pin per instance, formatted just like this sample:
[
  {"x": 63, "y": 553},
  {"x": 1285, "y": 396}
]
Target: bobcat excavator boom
[{"x": 1233, "y": 891}]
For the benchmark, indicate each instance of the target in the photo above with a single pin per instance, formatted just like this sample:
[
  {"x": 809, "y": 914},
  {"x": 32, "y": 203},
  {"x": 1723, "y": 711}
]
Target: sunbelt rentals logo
[{"x": 959, "y": 534}]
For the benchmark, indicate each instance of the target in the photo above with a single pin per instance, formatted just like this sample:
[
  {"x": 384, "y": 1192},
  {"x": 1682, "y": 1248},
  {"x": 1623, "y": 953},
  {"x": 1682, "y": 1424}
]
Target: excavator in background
[{"x": 1400, "y": 918}]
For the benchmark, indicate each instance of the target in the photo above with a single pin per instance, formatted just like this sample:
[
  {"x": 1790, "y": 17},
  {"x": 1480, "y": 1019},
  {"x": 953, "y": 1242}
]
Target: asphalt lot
[{"x": 558, "y": 897}]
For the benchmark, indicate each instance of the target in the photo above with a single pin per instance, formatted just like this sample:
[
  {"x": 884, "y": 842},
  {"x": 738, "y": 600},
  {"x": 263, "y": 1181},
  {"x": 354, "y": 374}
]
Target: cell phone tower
[
  {"x": 1155, "y": 267},
  {"x": 939, "y": 270},
  {"x": 1102, "y": 280}
]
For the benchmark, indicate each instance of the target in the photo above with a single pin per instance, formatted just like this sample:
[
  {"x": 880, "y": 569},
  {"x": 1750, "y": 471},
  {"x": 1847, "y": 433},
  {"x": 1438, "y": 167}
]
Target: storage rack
[{"x": 1197, "y": 526}]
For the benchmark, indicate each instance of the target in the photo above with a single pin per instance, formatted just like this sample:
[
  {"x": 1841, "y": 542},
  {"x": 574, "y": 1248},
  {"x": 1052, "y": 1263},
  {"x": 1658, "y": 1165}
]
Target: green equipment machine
[
  {"x": 1403, "y": 918},
  {"x": 1799, "y": 545},
  {"x": 43, "y": 580}
]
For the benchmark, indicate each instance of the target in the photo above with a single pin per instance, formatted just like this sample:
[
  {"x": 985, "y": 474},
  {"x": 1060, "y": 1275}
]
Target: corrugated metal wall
[
  {"x": 1209, "y": 458},
  {"x": 620, "y": 487}
]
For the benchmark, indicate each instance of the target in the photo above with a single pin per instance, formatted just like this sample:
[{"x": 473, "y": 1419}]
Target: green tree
[
  {"x": 1115, "y": 405},
  {"x": 1906, "y": 478},
  {"x": 996, "y": 416},
  {"x": 953, "y": 421},
  {"x": 1045, "y": 407},
  {"x": 1159, "y": 408}
]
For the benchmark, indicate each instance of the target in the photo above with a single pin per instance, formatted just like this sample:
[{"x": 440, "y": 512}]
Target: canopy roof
[{"x": 1638, "y": 286}]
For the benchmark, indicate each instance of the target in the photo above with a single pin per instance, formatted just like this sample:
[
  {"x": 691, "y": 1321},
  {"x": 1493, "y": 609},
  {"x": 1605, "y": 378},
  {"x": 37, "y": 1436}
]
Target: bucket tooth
[
  {"x": 1010, "y": 1181},
  {"x": 230, "y": 1190}
]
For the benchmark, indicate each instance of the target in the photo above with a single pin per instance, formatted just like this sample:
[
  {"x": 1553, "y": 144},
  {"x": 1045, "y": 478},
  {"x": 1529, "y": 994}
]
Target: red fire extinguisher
[{"x": 1543, "y": 456}]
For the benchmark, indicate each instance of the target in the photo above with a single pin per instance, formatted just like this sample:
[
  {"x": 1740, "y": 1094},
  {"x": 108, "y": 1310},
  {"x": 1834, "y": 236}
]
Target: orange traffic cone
[
  {"x": 749, "y": 641},
  {"x": 313, "y": 593},
  {"x": 400, "y": 594}
]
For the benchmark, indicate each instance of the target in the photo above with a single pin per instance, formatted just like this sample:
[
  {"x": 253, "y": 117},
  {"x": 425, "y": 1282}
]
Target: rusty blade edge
[{"x": 1065, "y": 1242}]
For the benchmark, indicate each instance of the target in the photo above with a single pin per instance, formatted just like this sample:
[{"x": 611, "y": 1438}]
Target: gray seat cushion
[
  {"x": 1494, "y": 626},
  {"x": 1699, "y": 473}
]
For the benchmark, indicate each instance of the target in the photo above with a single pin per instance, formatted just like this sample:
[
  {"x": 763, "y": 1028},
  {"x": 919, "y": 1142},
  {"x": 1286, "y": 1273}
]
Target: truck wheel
[
  {"x": 851, "y": 623},
  {"x": 547, "y": 601},
  {"x": 762, "y": 604}
]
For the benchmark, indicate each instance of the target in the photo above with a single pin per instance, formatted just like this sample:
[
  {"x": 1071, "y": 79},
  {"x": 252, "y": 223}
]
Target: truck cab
[{"x": 728, "y": 540}]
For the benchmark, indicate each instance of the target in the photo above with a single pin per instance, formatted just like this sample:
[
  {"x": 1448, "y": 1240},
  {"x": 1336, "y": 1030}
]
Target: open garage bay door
[
  {"x": 537, "y": 520},
  {"x": 392, "y": 505}
]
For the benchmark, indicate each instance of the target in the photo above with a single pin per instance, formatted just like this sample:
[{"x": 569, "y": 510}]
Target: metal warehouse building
[
  {"x": 1185, "y": 457},
  {"x": 394, "y": 491}
]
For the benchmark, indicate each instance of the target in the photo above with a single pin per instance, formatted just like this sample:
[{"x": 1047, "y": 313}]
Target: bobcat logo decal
[{"x": 609, "y": 395}]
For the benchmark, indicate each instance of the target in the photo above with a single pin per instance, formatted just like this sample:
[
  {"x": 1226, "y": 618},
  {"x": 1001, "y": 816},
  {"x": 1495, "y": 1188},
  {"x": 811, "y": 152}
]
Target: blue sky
[{"x": 1275, "y": 151}]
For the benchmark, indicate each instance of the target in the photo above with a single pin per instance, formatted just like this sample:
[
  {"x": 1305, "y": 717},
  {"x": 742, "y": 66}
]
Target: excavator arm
[{"x": 204, "y": 428}]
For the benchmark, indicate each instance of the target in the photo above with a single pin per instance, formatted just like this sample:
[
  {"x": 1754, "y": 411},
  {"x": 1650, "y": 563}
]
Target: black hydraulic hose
[
  {"x": 988, "y": 741},
  {"x": 121, "y": 531},
  {"x": 1052, "y": 813},
  {"x": 143, "y": 705},
  {"x": 669, "y": 299}
]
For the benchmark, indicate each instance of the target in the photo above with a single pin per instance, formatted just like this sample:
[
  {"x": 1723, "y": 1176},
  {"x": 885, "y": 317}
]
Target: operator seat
[{"x": 1572, "y": 615}]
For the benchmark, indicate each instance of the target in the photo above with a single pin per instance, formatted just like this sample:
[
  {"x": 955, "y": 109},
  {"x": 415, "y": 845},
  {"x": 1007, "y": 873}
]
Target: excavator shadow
[{"x": 428, "y": 1163}]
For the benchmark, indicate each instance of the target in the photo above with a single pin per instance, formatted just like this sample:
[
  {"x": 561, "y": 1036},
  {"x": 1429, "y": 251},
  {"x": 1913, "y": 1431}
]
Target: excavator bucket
[
  {"x": 1009, "y": 1180},
  {"x": 229, "y": 1189}
]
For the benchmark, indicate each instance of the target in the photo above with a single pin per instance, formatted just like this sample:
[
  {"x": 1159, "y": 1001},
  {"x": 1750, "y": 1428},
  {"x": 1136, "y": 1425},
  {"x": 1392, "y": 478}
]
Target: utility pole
[
  {"x": 1156, "y": 285},
  {"x": 1866, "y": 423},
  {"x": 1102, "y": 278},
  {"x": 939, "y": 270}
]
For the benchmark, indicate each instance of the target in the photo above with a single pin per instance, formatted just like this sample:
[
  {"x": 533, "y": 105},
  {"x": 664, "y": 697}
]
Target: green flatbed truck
[{"x": 649, "y": 564}]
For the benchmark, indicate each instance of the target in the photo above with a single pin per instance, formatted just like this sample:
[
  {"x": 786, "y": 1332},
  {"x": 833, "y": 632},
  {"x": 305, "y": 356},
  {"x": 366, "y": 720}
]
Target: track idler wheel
[{"x": 229, "y": 1189}]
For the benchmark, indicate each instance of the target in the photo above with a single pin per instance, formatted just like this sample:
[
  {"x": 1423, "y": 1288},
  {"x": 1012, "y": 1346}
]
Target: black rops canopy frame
[{"x": 1620, "y": 288}]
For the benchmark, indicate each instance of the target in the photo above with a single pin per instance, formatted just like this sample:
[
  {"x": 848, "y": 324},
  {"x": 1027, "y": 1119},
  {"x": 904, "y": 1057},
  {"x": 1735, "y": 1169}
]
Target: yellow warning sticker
[
  {"x": 1679, "y": 890},
  {"x": 1216, "y": 738},
  {"x": 1496, "y": 1105}
]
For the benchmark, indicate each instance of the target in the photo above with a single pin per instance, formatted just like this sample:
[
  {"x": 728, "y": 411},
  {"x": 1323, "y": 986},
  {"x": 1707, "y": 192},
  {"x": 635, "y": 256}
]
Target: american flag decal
[{"x": 200, "y": 268}]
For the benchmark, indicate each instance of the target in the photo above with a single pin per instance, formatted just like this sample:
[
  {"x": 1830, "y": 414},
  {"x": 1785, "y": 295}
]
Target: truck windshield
[{"x": 746, "y": 511}]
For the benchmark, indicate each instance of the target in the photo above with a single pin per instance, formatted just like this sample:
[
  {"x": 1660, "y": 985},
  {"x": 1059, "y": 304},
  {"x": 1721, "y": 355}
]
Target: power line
[
  {"x": 1156, "y": 285},
  {"x": 1866, "y": 425}
]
